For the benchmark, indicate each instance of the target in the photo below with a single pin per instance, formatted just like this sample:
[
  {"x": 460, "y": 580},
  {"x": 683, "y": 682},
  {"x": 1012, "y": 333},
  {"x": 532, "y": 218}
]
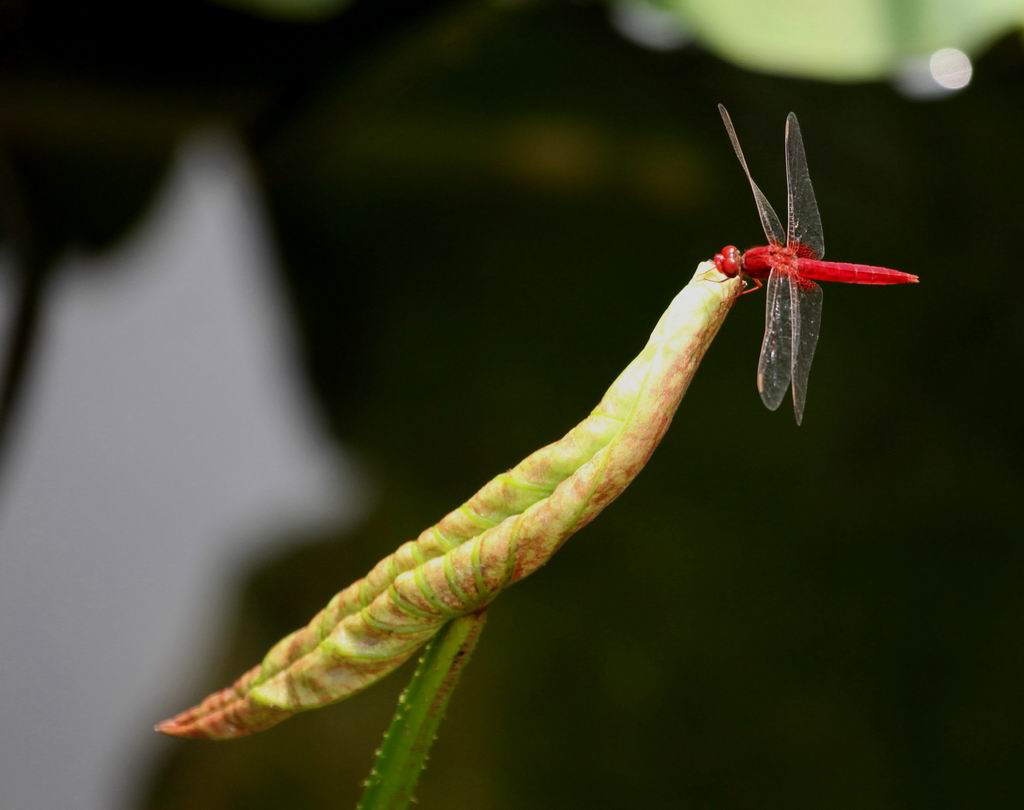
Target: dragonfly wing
[
  {"x": 775, "y": 368},
  {"x": 769, "y": 219},
  {"x": 805, "y": 303},
  {"x": 804, "y": 227}
]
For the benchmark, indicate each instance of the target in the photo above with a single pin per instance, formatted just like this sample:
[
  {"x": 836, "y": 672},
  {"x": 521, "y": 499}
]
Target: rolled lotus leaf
[{"x": 507, "y": 530}]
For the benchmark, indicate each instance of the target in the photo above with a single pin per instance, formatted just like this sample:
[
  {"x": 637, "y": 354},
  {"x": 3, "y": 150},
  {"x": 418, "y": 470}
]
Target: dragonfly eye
[{"x": 732, "y": 260}]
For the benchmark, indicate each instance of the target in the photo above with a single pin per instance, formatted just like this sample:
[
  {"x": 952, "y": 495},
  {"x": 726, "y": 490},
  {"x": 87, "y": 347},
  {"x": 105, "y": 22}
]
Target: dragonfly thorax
[{"x": 730, "y": 261}]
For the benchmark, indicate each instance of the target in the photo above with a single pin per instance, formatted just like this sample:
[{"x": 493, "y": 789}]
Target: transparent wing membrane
[
  {"x": 804, "y": 226},
  {"x": 793, "y": 304},
  {"x": 775, "y": 367},
  {"x": 769, "y": 219},
  {"x": 805, "y": 303}
]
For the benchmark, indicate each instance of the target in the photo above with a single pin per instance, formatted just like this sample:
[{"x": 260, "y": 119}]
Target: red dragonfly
[{"x": 792, "y": 262}]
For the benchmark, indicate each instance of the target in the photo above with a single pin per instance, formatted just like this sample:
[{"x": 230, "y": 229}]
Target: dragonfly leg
[{"x": 758, "y": 284}]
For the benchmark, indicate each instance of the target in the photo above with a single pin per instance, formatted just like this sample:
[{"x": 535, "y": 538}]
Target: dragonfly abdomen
[{"x": 848, "y": 273}]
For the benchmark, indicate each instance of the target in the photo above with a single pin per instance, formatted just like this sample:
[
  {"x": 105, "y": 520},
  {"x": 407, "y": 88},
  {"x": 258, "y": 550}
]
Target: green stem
[{"x": 403, "y": 754}]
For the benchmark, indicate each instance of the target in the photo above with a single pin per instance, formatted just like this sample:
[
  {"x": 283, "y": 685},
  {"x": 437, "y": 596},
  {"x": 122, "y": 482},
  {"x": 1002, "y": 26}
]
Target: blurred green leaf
[{"x": 850, "y": 40}]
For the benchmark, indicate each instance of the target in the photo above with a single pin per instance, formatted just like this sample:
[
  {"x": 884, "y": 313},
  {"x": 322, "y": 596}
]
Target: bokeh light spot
[
  {"x": 950, "y": 68},
  {"x": 648, "y": 26},
  {"x": 945, "y": 71}
]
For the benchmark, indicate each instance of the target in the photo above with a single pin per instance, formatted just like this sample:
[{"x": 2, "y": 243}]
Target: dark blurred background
[{"x": 283, "y": 281}]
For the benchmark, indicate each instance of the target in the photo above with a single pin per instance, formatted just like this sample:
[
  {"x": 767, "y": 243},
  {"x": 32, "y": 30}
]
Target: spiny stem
[{"x": 421, "y": 707}]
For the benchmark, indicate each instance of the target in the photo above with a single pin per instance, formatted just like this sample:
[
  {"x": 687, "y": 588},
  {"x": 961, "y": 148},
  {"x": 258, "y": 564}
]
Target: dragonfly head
[{"x": 730, "y": 261}]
